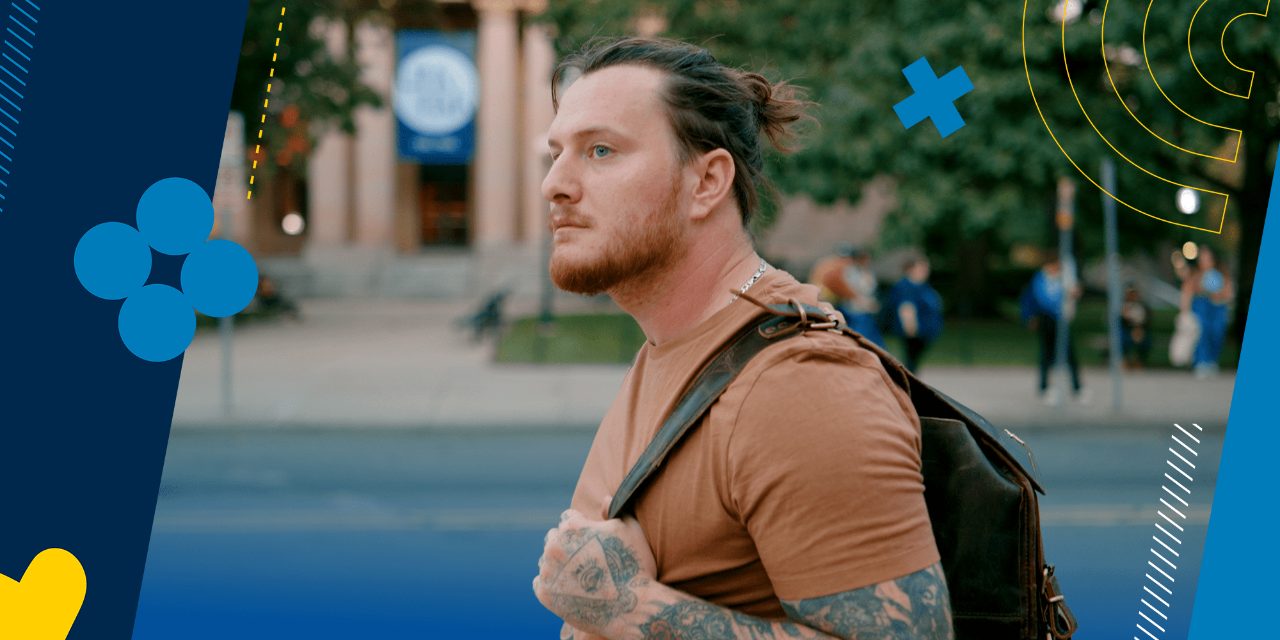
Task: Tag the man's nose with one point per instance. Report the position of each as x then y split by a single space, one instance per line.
561 184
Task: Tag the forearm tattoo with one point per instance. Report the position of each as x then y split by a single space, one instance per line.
697 620
597 582
915 606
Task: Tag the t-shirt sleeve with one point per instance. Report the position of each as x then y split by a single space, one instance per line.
823 467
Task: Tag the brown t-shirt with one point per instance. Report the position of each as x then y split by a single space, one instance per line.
802 480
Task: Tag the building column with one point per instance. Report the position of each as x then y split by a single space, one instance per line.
497 159
328 191
328 187
374 149
231 207
539 60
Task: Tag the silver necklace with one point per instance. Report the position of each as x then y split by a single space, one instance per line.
759 272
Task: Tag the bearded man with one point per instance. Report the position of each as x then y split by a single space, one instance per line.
796 507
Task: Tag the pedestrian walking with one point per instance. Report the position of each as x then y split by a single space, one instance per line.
1046 302
777 516
862 309
828 275
1135 337
1206 292
915 311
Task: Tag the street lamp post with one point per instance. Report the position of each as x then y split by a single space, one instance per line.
1065 219
227 201
226 325
1113 281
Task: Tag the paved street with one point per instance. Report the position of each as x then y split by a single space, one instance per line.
379 477
405 534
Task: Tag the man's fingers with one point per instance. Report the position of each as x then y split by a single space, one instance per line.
553 553
541 593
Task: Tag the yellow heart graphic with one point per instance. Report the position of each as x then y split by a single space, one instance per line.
45 603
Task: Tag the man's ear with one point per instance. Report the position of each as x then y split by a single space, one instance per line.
714 172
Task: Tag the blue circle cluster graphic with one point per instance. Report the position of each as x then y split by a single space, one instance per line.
113 262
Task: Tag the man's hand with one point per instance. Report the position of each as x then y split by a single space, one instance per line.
590 570
907 317
567 632
599 577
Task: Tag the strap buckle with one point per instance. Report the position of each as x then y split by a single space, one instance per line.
799 318
1060 622
771 331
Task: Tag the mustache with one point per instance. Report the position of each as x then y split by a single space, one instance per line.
564 217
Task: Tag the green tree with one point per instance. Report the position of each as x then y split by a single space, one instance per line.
318 89
970 196
313 90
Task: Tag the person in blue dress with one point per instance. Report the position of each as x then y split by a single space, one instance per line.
915 311
863 308
1207 290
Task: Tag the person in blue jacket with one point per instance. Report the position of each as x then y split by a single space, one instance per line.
915 311
1045 303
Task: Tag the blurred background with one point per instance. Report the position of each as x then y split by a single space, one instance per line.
376 447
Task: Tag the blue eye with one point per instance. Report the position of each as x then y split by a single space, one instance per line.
600 151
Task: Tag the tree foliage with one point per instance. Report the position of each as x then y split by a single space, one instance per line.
313 90
991 185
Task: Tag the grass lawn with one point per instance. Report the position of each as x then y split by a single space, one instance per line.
593 338
615 337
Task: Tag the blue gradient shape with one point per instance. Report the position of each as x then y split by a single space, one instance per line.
112 261
157 323
175 215
1233 600
103 414
934 97
219 278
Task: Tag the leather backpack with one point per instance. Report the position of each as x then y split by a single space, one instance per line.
982 503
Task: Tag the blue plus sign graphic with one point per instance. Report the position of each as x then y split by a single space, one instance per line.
934 97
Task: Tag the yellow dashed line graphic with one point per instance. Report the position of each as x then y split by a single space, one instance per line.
265 102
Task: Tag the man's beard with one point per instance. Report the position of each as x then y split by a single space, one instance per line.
631 253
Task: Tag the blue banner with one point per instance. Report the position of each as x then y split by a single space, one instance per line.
435 97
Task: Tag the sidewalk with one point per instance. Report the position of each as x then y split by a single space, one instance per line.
402 364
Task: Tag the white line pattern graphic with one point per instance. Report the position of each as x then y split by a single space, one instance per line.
15 72
1166 540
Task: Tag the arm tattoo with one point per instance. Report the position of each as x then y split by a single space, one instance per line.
597 582
697 620
915 606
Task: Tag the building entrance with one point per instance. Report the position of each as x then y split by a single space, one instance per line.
443 204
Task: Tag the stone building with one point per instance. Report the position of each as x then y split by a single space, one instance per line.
380 224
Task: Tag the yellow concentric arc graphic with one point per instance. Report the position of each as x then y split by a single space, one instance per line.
1222 45
1239 135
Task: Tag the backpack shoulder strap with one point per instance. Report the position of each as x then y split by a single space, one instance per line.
775 323
779 321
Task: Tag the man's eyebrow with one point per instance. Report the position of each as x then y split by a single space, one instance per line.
583 133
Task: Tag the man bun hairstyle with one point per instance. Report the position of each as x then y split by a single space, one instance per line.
710 106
